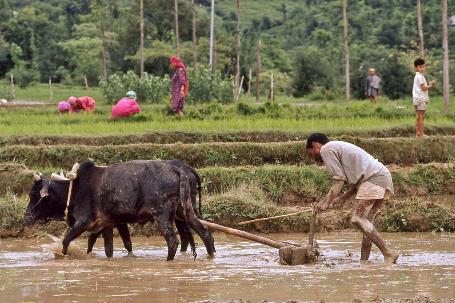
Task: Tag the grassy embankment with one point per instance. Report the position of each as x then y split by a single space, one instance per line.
423 199
400 151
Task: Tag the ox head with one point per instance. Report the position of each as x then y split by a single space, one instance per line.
47 199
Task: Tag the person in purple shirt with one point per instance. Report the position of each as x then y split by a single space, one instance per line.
179 85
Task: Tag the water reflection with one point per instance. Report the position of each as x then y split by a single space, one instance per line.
241 270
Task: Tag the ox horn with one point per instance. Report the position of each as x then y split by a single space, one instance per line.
55 177
36 177
72 175
61 173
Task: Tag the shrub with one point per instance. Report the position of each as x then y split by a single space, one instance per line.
149 89
204 88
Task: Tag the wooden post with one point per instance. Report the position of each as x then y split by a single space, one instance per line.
272 95
51 92
86 82
249 82
13 89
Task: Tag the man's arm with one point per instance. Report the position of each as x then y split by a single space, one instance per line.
345 196
334 191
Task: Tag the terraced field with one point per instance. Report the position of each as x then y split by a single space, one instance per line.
249 175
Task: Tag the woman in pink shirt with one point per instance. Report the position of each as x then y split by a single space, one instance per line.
127 106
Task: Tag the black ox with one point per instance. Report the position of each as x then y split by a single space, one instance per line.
135 191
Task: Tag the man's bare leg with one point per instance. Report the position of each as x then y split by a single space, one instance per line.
360 220
366 242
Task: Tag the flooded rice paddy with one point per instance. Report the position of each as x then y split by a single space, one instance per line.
241 270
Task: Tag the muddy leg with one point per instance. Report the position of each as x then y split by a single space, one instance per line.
108 237
360 221
92 240
126 237
185 234
72 233
166 227
204 234
366 242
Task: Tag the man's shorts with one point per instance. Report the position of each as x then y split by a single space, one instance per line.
370 191
421 106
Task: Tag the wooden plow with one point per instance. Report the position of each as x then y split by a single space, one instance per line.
290 254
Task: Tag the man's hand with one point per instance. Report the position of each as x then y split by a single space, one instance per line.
321 206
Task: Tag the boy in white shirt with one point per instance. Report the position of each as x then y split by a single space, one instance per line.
420 95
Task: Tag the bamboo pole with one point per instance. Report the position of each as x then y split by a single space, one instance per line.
276 217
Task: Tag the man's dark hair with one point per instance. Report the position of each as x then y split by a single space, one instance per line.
419 61
316 138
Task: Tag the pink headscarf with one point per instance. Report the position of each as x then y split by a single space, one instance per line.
178 63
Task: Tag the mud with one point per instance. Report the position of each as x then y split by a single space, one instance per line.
241 272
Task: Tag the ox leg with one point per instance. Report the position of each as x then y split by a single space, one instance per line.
186 237
78 228
126 237
166 227
92 240
108 237
204 234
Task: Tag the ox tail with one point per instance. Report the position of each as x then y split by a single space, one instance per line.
187 206
199 188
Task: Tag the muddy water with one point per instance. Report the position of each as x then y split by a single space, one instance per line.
241 270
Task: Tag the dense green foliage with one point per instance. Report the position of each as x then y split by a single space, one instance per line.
300 40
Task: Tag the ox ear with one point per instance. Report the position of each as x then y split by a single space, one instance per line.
44 192
37 177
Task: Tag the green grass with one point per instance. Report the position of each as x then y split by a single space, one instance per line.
41 92
317 116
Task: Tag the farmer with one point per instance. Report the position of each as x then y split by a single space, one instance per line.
127 106
63 107
81 104
179 85
368 177
372 85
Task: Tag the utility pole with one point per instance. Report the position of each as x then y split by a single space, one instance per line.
346 50
193 9
141 50
177 42
445 65
212 38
